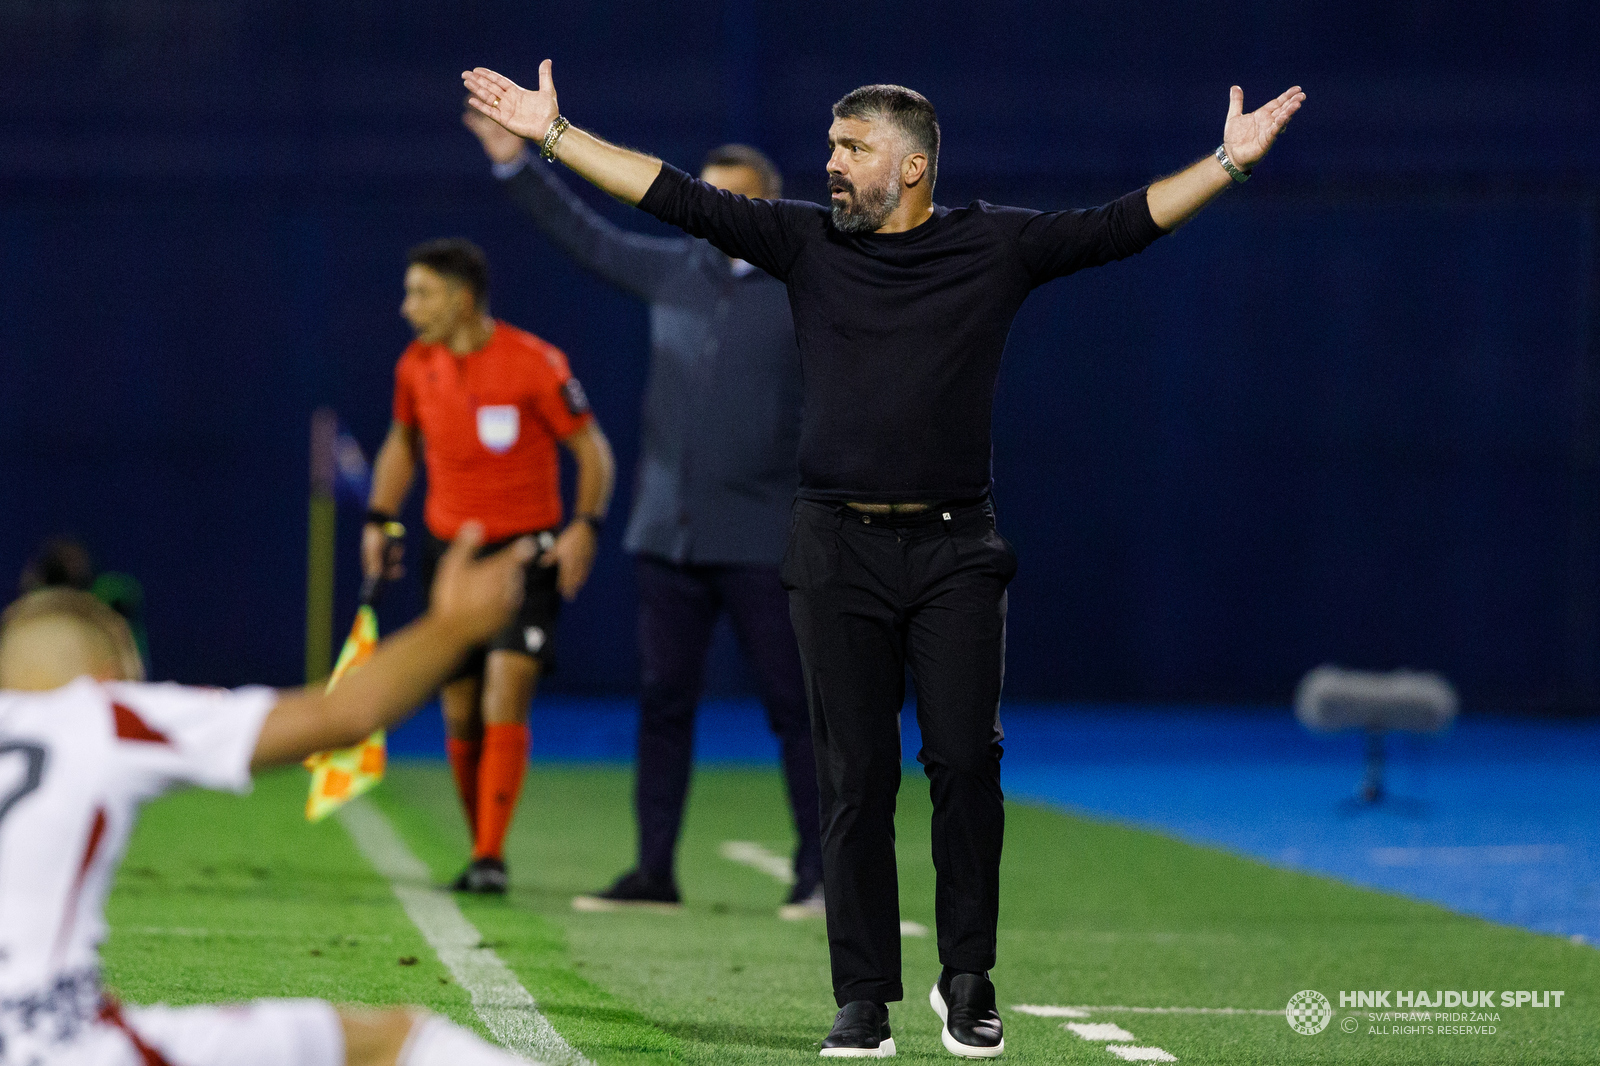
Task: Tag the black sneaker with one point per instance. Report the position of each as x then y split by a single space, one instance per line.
860 1031
485 877
633 889
965 1003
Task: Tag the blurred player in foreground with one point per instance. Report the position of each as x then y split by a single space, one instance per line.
486 404
83 743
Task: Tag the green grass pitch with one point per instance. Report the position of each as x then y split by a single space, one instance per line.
225 898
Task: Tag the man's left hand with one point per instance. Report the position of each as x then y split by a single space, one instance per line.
1247 137
573 553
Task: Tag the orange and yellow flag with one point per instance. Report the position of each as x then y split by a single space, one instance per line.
340 776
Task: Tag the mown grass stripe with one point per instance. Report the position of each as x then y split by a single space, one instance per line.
506 1008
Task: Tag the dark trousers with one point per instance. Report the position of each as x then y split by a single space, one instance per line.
678 609
870 596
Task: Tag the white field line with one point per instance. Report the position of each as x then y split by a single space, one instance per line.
1491 855
780 868
1130 1053
1085 1011
1108 1031
1050 1012
749 853
1102 1031
499 999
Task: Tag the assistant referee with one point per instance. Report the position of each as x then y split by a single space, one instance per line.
901 310
486 404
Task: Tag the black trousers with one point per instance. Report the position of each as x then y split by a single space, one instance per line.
678 608
871 595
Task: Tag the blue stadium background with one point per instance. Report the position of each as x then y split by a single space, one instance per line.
1351 413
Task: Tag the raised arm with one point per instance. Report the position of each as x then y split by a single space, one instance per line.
636 262
1246 138
767 233
625 174
470 602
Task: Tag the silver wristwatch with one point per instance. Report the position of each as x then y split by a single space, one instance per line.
1240 176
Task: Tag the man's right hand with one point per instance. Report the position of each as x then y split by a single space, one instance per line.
525 112
375 545
477 597
529 113
499 143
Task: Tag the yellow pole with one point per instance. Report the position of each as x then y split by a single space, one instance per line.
320 548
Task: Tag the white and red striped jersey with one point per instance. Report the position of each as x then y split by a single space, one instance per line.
75 765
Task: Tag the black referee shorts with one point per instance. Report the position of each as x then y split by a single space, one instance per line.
533 631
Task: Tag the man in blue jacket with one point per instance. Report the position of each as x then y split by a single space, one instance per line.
717 478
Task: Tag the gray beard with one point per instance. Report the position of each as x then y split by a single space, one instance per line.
872 208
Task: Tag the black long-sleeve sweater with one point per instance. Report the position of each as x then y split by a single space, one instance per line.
901 334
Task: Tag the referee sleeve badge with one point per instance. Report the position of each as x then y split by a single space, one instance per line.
572 393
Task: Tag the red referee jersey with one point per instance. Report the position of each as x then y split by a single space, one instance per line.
490 421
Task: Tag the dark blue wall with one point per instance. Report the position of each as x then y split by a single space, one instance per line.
1350 413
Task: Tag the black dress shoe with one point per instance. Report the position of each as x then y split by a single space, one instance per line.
636 886
485 877
860 1031
634 890
965 1003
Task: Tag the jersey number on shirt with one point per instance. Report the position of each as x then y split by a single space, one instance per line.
32 768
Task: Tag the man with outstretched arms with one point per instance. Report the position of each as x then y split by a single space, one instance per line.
84 743
716 483
901 310
486 404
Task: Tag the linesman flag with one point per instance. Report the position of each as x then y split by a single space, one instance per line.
337 777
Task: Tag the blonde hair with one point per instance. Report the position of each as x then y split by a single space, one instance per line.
108 640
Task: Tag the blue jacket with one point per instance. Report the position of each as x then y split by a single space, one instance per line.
721 420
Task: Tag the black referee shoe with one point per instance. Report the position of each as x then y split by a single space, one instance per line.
636 886
633 890
965 1003
484 877
860 1031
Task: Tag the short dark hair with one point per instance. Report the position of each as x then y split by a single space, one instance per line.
906 108
61 563
459 260
742 155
